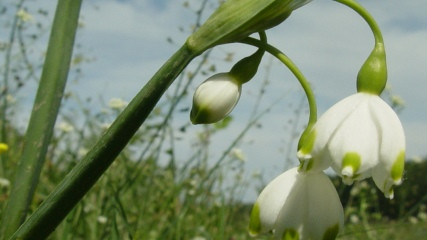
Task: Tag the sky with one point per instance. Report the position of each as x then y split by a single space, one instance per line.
127 42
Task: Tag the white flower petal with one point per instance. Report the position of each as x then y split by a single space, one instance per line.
312 208
270 202
324 129
392 135
355 143
325 206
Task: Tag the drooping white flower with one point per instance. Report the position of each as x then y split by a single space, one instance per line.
215 98
298 206
360 136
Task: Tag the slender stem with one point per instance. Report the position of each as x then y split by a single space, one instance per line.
294 69
366 16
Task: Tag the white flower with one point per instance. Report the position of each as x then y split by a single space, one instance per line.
215 98
238 154
65 127
298 206
360 136
102 219
24 16
4 182
117 103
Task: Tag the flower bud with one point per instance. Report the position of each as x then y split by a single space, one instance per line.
215 98
237 19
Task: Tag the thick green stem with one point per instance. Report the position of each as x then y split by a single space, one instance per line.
43 117
84 175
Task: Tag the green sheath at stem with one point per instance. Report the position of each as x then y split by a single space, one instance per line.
43 116
84 175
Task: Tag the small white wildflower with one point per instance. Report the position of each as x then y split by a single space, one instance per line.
117 103
82 152
4 183
413 220
422 216
65 127
397 101
198 238
354 219
417 159
88 208
24 16
238 154
105 126
102 219
10 99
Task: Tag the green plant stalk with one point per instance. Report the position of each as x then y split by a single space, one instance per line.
84 175
294 69
366 16
43 116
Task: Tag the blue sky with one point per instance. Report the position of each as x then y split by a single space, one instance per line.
326 40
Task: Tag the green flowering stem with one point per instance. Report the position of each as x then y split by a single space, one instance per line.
294 69
43 116
366 16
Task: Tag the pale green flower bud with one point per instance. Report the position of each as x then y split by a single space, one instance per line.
215 98
298 206
237 19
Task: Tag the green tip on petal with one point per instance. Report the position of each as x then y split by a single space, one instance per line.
290 234
200 116
306 142
255 221
350 164
331 233
398 167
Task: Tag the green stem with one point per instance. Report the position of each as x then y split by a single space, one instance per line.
43 116
84 175
294 69
366 16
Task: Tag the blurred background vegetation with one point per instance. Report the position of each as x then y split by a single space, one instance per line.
150 192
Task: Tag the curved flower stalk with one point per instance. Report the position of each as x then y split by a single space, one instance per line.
360 136
298 206
215 98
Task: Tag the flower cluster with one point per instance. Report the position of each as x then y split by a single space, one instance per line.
359 137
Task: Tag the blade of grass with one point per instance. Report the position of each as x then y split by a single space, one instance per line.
43 116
